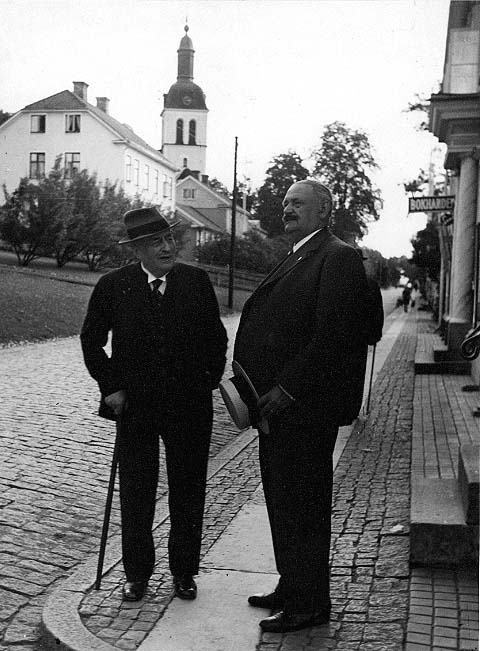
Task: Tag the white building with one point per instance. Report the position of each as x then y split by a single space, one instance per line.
207 213
66 127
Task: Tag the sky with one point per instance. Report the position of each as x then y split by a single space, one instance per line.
275 73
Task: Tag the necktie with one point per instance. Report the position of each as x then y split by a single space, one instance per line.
157 294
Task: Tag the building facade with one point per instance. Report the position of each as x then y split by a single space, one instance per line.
455 120
66 129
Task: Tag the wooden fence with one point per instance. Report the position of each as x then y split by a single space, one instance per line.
244 280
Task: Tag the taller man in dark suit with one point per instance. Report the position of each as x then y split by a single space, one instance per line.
302 342
168 353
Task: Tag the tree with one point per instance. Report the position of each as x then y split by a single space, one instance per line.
30 220
284 170
418 184
426 252
246 196
219 187
252 251
343 162
420 106
80 216
4 116
393 272
102 247
376 267
67 218
405 267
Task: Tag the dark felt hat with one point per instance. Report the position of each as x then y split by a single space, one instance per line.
144 222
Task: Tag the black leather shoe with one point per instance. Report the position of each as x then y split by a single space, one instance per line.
270 601
185 587
283 622
134 590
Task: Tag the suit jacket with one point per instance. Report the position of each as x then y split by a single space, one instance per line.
174 355
304 328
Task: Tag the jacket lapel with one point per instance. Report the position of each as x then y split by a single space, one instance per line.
289 263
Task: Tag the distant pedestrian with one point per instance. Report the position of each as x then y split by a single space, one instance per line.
406 294
302 341
413 295
168 353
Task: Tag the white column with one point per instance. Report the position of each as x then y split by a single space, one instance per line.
463 252
476 363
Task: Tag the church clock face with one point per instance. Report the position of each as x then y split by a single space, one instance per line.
187 100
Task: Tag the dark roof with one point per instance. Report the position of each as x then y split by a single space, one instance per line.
68 101
174 97
63 101
186 43
206 216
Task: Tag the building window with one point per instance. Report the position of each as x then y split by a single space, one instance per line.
136 172
147 177
167 187
72 164
189 193
179 138
156 181
192 131
185 162
37 124
202 236
37 165
72 123
128 168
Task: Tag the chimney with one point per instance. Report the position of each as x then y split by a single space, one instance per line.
80 89
205 179
102 104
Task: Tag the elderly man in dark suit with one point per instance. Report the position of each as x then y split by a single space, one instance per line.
302 342
168 354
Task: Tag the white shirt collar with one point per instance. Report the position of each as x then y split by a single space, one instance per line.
151 277
304 240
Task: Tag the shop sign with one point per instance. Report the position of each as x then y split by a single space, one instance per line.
431 204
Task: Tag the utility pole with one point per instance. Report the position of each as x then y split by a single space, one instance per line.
233 231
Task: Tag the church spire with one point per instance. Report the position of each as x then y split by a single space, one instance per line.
185 58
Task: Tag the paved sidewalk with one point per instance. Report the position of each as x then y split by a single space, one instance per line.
443 604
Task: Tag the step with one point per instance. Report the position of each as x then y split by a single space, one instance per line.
439 535
433 357
430 367
441 353
468 480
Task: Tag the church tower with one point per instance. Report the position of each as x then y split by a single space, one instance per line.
184 115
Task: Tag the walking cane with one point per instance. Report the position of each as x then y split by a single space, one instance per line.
371 378
108 505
